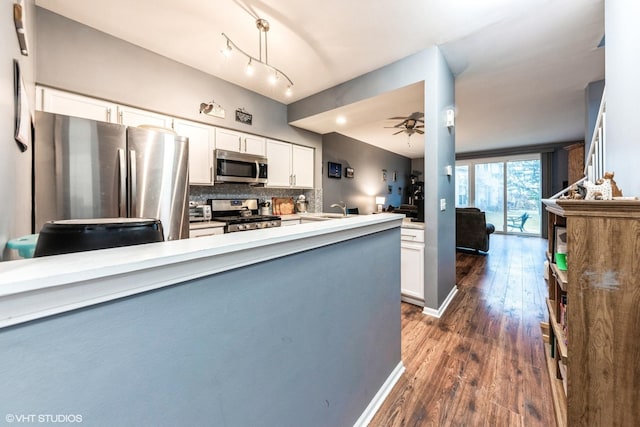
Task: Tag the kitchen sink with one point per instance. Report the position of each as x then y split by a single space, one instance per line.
324 216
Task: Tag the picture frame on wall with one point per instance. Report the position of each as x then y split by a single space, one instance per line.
348 172
334 170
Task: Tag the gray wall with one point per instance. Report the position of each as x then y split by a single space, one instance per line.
623 91
368 162
429 66
15 166
77 58
440 226
287 342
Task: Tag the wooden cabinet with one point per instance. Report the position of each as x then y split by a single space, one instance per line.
290 165
575 159
201 143
69 104
594 313
412 265
240 142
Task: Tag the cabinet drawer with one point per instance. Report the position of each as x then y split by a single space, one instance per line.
203 232
411 235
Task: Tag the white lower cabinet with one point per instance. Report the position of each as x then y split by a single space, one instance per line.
204 232
201 143
412 266
288 222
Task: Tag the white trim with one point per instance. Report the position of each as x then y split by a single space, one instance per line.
381 395
440 311
412 300
39 287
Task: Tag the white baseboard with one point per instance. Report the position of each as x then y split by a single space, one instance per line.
412 300
380 396
440 311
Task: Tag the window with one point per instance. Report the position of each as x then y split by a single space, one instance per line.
507 189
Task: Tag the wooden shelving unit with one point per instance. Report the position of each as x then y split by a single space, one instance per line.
592 347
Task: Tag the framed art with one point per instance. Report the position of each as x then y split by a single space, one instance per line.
335 170
348 172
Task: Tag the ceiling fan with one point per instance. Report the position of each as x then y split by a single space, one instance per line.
411 124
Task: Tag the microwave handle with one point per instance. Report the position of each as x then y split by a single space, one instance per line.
257 171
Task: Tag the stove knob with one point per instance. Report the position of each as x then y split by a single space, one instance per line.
259 225
241 227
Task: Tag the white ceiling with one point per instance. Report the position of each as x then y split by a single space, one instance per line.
521 66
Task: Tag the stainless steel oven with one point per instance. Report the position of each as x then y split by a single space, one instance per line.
241 215
239 167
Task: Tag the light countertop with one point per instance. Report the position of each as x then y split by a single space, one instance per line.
38 287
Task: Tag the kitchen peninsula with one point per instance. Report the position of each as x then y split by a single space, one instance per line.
282 326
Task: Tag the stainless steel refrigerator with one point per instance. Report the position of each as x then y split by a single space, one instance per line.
89 169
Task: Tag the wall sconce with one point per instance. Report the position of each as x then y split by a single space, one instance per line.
379 202
212 109
451 114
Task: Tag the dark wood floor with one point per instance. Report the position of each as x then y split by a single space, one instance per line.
482 363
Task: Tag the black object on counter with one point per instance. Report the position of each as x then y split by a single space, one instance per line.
77 235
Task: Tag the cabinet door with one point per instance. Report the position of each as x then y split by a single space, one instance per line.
201 139
227 140
59 102
279 158
254 145
412 269
134 117
302 166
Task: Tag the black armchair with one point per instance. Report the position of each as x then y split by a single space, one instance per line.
472 229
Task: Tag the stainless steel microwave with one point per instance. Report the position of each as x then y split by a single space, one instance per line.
239 167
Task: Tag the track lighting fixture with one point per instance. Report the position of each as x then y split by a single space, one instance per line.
274 73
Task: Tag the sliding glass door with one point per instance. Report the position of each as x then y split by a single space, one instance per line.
489 192
508 190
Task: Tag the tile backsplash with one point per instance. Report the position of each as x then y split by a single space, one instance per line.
200 193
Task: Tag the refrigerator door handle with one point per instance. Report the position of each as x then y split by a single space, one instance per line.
122 191
134 184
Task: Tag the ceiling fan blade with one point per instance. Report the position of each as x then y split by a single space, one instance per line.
419 127
419 131
415 116
396 118
400 131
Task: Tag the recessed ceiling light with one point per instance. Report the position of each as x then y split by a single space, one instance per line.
341 120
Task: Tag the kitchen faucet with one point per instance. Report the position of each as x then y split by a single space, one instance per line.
342 206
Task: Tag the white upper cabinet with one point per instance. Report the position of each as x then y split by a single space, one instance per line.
69 104
254 145
201 143
302 166
290 165
279 158
129 116
239 142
